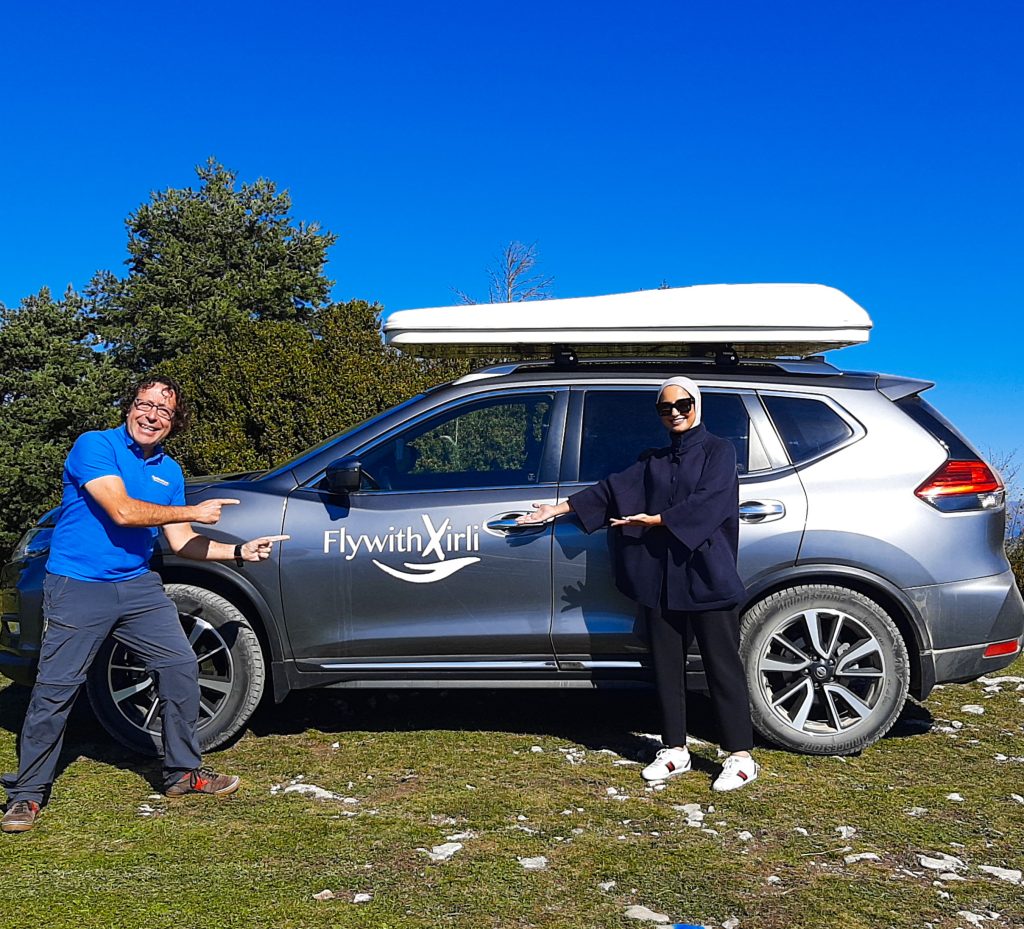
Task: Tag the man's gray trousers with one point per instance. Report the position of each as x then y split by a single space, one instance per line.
79 615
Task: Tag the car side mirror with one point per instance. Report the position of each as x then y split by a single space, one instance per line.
344 475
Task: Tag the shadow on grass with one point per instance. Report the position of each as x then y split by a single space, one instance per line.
85 737
614 719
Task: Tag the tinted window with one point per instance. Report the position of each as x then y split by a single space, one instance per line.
498 442
620 424
808 427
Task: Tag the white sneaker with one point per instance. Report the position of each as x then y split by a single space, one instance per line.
669 762
737 771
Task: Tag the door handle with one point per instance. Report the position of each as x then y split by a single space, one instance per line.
506 522
762 511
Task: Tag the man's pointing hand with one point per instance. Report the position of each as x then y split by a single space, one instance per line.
208 512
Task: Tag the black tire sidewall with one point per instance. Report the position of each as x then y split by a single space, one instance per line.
247 682
764 618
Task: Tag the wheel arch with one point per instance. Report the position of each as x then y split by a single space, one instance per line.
238 591
886 594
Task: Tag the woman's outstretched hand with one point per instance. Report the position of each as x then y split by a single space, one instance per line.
542 512
637 519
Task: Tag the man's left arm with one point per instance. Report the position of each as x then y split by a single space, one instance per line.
188 543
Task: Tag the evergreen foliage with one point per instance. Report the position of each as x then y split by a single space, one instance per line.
53 387
203 260
265 391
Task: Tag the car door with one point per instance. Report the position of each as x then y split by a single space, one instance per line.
593 625
423 567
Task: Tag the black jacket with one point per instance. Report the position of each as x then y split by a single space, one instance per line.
694 487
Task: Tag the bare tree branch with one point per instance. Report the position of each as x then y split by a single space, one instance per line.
511 278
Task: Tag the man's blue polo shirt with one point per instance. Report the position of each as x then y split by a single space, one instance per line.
87 545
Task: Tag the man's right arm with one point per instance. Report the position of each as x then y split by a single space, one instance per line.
110 493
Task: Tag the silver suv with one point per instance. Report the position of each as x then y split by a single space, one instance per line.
871 546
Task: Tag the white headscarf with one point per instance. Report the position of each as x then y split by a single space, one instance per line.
690 387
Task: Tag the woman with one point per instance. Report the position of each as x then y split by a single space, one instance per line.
677 557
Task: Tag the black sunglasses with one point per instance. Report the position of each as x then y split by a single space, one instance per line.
684 405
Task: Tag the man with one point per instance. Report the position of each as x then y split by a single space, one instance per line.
120 488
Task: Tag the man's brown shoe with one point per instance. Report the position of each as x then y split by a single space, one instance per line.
20 816
204 781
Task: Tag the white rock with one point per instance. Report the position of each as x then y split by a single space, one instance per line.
539 863
941 862
916 811
775 879
744 836
611 791
362 898
1000 680
862 856
324 895
957 724
1017 798
460 836
536 749
950 876
731 923
973 709
443 852
710 831
955 797
646 915
799 830
846 832
1011 875
625 761
975 919
311 790
606 885
686 808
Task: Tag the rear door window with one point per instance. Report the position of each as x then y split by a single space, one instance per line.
809 427
620 424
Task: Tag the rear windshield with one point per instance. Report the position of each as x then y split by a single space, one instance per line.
940 428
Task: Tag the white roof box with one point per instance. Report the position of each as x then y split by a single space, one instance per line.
754 320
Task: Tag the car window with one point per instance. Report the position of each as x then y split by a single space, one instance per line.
620 424
497 442
809 427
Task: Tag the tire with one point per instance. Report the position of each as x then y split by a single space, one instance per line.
231 676
828 670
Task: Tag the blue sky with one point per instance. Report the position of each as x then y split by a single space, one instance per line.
873 146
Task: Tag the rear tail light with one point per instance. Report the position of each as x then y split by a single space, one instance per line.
1002 648
962 485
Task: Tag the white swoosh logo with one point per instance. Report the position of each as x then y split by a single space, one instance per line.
427 573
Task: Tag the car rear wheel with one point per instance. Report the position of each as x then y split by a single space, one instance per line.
231 676
827 668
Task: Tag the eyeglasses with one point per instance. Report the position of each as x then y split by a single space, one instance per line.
147 406
684 405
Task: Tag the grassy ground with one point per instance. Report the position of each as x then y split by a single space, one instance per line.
514 775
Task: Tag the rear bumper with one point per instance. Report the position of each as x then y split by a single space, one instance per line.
962 619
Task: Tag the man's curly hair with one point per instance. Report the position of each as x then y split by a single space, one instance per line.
181 409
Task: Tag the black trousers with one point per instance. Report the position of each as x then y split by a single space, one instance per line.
718 636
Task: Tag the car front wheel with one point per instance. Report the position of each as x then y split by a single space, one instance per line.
231 676
827 668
